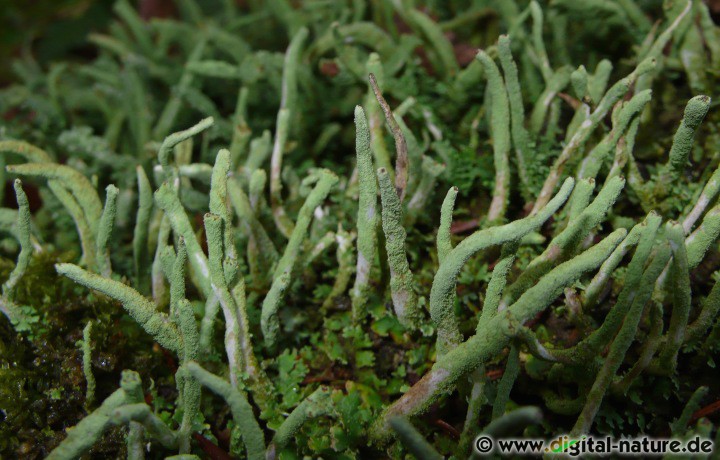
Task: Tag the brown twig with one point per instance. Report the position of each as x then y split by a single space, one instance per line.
401 161
705 411
495 374
447 428
571 101
156 9
464 226
211 450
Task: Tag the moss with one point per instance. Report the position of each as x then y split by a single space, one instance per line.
583 306
43 385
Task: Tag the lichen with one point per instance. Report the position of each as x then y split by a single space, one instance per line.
525 210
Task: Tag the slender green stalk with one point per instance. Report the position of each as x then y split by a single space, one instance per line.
323 243
260 150
175 138
579 82
635 14
287 108
207 324
567 241
29 152
401 148
580 198
242 410
166 119
594 289
442 295
214 232
87 239
476 401
159 290
346 260
591 345
649 348
520 136
512 370
413 440
538 43
241 131
622 342
375 115
282 220
481 347
143 414
500 129
87 365
261 251
513 422
177 277
188 384
26 249
682 297
614 94
367 219
256 188
705 318
107 221
655 50
443 56
708 194
318 404
136 25
79 185
498 280
256 377
219 200
141 253
679 426
215 69
135 441
143 311
547 102
402 284
431 169
283 272
700 240
444 242
167 199
695 112
592 163
597 83
86 433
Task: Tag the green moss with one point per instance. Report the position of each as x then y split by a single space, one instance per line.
325 290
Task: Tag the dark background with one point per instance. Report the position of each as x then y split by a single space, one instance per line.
56 29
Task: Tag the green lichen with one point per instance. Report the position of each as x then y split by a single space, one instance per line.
575 253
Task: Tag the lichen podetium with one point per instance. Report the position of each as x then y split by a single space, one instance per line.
379 230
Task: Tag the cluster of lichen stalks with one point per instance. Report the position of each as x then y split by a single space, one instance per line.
662 255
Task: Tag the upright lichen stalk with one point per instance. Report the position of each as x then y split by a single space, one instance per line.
543 266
